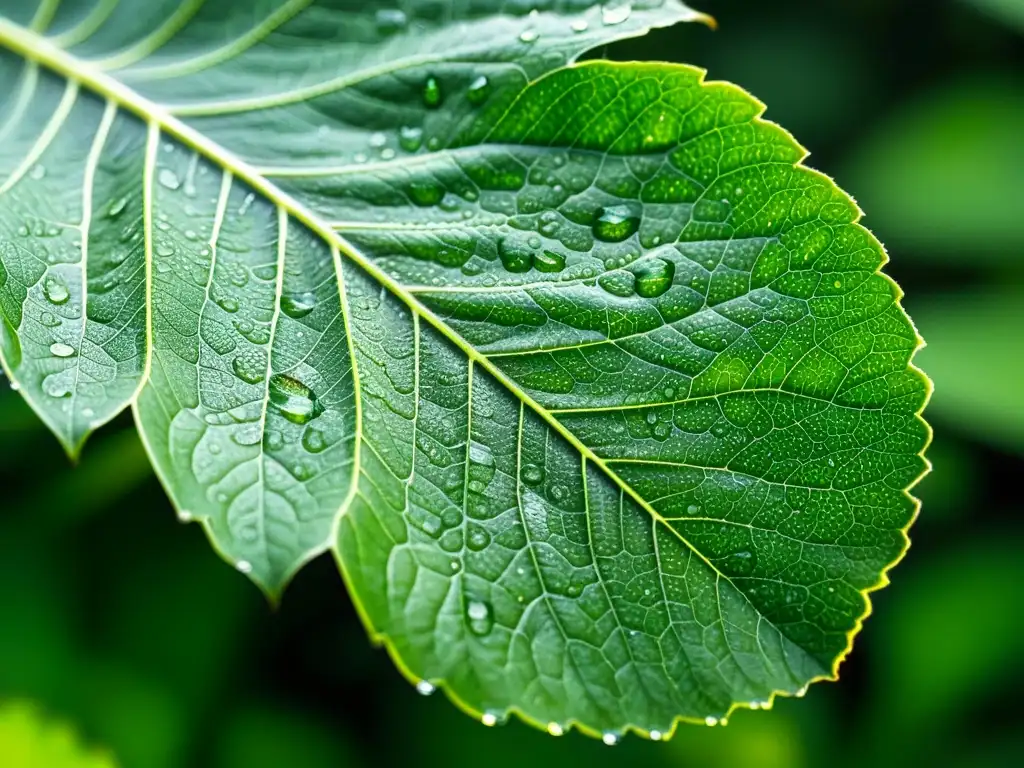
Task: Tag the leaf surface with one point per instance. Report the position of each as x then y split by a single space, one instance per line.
595 392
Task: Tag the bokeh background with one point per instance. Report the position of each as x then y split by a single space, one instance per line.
120 621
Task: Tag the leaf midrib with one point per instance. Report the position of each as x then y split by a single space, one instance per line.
36 48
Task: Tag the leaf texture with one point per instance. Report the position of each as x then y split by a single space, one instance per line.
595 392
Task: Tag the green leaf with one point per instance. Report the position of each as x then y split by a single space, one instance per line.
595 392
27 740
1010 12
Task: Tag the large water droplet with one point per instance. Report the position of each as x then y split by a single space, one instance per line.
655 277
426 193
61 350
168 179
55 290
479 90
617 222
616 12
298 305
533 475
478 539
548 261
480 617
293 399
432 92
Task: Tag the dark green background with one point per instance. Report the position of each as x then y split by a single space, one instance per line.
115 617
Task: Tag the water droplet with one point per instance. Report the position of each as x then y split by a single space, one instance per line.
55 290
654 278
655 735
244 566
164 249
293 399
618 283
432 93
693 509
117 207
533 475
246 204
37 172
299 305
479 90
56 387
514 257
423 688
480 617
61 350
559 492
610 739
489 719
228 304
168 179
711 720
250 368
802 692
617 222
426 193
616 12
49 319
580 25
555 729
391 20
378 140
314 441
184 516
410 138
478 540
548 261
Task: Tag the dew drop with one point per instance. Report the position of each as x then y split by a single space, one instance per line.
410 138
246 204
61 350
529 35
489 719
423 688
533 475
480 617
37 172
391 20
432 92
693 509
478 540
168 179
616 12
314 441
299 305
378 140
479 90
654 278
49 319
184 516
617 223
655 735
514 257
55 290
548 261
426 193
711 720
580 25
165 250
610 739
228 304
555 729
618 283
117 208
296 402
244 566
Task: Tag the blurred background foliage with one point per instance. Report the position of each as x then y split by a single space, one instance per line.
118 619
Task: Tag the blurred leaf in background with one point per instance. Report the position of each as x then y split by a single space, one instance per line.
1009 11
29 740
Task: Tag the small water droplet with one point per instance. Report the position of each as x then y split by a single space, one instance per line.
55 290
610 739
617 222
616 12
802 692
514 257
49 319
246 204
618 283
655 735
426 193
378 140
478 540
299 305
391 20
410 138
533 475
293 399
184 516
168 179
423 688
489 719
711 720
479 90
693 509
228 304
37 172
314 441
61 350
480 617
548 261
432 92
117 207
555 729
244 566
580 25
654 278
164 249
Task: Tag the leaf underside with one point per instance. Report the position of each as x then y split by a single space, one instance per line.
596 393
